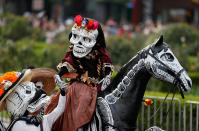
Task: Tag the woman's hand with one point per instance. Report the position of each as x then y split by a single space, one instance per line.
60 83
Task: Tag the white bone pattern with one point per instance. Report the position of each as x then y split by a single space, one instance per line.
101 100
117 93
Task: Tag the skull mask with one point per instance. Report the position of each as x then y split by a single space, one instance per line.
26 97
83 40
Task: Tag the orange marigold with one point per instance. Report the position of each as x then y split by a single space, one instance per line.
9 76
1 79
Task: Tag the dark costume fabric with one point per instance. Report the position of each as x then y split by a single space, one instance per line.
82 93
94 63
79 109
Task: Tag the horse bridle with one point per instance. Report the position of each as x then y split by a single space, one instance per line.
177 82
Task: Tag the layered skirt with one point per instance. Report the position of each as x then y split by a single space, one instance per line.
79 109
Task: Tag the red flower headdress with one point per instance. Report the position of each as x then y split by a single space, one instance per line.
89 24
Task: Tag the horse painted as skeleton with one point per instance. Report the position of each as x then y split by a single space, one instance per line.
119 104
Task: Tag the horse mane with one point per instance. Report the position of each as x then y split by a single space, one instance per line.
120 75
124 70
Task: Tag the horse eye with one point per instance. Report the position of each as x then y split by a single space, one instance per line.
167 57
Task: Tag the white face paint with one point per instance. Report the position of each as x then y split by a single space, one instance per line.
18 101
159 70
83 41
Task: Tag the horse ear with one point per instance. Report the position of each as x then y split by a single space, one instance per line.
160 41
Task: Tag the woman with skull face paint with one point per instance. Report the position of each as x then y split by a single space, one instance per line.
89 67
21 97
43 122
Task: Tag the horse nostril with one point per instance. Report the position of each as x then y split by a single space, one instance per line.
189 83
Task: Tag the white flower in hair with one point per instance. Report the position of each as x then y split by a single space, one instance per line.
6 84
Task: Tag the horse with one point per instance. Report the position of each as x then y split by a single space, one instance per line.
119 104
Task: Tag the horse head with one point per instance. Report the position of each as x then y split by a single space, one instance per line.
162 64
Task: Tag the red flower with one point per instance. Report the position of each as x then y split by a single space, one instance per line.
148 102
78 20
89 25
95 25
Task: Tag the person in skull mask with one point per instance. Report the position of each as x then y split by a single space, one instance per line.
87 57
89 67
21 97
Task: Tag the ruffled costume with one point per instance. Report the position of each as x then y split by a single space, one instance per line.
81 95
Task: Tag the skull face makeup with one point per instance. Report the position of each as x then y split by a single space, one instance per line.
21 98
83 40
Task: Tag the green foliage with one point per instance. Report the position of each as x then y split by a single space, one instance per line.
17 28
194 76
62 38
25 52
119 48
36 34
123 49
195 88
193 63
174 32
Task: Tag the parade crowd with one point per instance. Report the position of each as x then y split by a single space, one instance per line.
53 26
